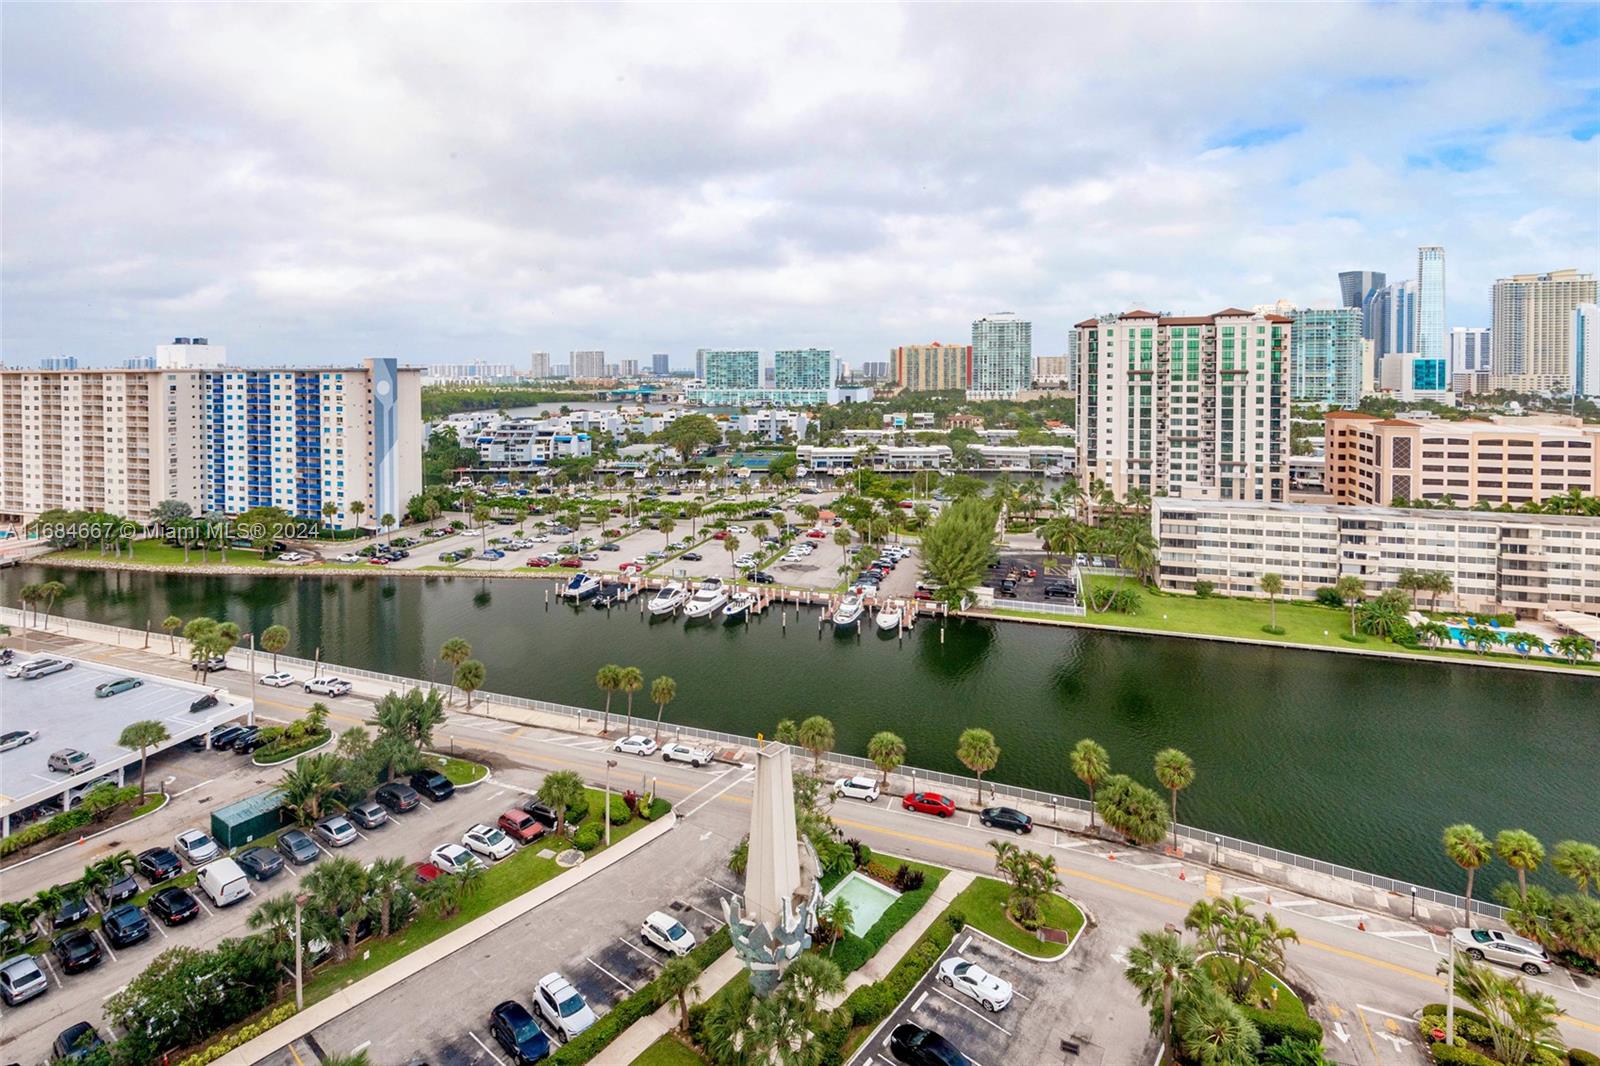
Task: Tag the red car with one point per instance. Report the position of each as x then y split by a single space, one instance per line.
631 568
907 504
538 561
427 871
923 594
520 825
929 803
572 561
378 560
817 533
721 534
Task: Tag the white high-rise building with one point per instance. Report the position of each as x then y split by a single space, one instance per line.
1586 350
1430 302
588 366
1531 334
539 365
1469 349
190 352
1002 356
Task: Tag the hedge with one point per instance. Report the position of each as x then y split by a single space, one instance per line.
852 952
619 812
281 751
642 1003
1276 1026
1459 1055
658 809
239 1037
587 838
1579 1057
870 1004
64 822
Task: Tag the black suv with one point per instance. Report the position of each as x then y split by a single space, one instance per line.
1060 588
398 797
433 784
72 911
122 889
204 703
248 741
76 950
1006 818
159 864
544 815
174 905
125 925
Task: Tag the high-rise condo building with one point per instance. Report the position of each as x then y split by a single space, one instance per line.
660 364
1194 406
932 367
1392 314
628 368
222 439
1586 350
539 365
1325 366
1356 288
1430 302
875 370
803 368
1002 356
1531 331
729 369
1052 369
59 362
588 366
1469 349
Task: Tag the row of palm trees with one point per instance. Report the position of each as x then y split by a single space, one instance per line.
1569 922
41 592
20 915
612 679
468 674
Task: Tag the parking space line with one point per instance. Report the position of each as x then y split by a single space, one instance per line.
716 795
113 992
639 950
203 906
52 967
719 884
485 1047
697 910
978 1014
609 974
105 944
918 1004
425 805
165 935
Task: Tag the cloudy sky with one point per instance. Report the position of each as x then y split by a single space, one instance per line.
447 183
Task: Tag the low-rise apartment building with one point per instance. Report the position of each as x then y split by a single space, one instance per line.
887 457
519 443
1373 460
1022 456
1524 563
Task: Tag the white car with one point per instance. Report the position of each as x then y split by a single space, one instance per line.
281 679
638 744
685 753
861 788
17 737
196 847
454 859
328 686
292 557
488 840
1508 948
562 1006
738 530
348 557
992 992
667 933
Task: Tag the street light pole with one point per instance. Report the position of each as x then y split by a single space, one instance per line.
606 814
250 717
299 997
1450 998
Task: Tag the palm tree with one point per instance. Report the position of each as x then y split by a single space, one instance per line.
631 681
1521 851
1215 1032
662 691
357 508
338 890
1573 647
1468 849
144 736
1175 771
480 518
1092 765
1578 862
887 751
170 625
455 651
1434 633
608 679
273 640
1272 585
838 915
273 922
312 779
1161 968
559 790
49 592
1351 590
470 677
979 753
29 596
387 524
1518 1020
816 735
387 879
680 979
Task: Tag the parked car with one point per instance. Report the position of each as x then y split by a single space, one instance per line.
223 736
368 814
328 686
520 825
247 741
174 906
204 703
761 577
124 925
260 864
433 784
518 1033
916 1046
488 840
21 980
37 668
16 738
335 831
1060 588
691 557
858 787
1506 948
541 813
281 679
667 933
1006 818
929 803
159 864
122 889
988 991
73 910
76 950
196 846
454 859
75 1043
562 1006
112 688
70 761
638 744
684 753
397 796
298 847
214 665
347 557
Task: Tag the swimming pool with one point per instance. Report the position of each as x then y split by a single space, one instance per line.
867 898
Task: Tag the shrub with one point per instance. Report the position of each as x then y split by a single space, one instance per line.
1580 1057
1203 589
1506 618
658 809
239 1037
587 838
863 853
907 879
1404 634
577 812
1276 1026
1446 1055
1328 596
1274 631
620 813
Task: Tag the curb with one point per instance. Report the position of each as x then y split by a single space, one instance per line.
166 798
286 760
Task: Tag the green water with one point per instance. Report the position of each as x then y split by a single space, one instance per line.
1357 760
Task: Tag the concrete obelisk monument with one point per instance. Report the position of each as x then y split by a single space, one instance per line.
771 920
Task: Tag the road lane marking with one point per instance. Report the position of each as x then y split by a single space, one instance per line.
733 784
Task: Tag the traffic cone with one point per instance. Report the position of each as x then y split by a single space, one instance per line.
82 839
1362 925
1182 874
1112 857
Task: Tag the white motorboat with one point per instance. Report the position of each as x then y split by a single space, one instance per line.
738 607
581 586
889 618
668 599
707 599
849 611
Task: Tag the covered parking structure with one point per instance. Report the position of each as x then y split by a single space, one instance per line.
64 711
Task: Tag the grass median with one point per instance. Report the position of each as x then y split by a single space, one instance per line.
983 905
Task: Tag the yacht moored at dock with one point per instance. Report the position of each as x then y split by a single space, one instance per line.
581 586
890 617
707 599
849 611
739 607
668 599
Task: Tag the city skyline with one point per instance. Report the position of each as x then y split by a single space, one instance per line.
347 219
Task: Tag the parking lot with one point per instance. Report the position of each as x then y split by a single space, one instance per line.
1032 588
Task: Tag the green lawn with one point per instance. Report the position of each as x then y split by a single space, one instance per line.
459 771
983 903
157 553
669 1051
1262 989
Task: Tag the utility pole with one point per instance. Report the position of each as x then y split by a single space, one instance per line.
250 718
299 995
606 814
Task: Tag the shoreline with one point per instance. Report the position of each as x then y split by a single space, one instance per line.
1591 671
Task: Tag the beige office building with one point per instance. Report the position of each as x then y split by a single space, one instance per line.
1191 407
1522 563
932 367
1531 336
588 366
1507 460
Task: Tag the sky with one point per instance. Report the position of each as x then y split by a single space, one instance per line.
445 183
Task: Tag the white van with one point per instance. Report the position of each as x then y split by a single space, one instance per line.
224 882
